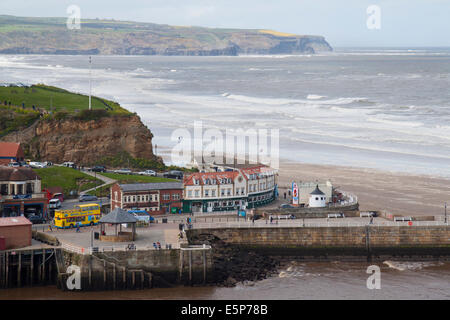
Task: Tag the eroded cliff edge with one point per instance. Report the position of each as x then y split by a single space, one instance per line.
85 142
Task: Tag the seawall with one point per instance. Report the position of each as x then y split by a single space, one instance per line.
344 243
141 269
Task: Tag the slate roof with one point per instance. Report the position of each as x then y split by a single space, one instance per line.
17 174
118 216
317 191
150 186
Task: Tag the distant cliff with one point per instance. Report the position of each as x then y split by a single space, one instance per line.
109 37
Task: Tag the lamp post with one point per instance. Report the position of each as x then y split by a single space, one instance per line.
445 208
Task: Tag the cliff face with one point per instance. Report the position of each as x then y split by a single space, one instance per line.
84 142
51 36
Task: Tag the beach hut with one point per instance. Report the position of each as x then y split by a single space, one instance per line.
117 217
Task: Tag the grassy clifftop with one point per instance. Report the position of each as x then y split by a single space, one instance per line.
22 35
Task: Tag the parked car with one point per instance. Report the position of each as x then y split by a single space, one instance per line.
174 174
35 219
98 169
37 165
58 196
48 163
286 206
87 197
147 173
54 204
14 164
123 171
69 164
24 164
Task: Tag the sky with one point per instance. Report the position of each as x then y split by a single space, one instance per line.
344 23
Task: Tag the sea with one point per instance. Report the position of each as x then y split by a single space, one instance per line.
379 108
386 109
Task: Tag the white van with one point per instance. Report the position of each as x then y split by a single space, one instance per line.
54 204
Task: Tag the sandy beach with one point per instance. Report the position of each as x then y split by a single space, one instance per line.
398 193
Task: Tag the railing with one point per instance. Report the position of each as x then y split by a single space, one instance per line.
90 250
299 224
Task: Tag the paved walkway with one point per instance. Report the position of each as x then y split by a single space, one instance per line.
106 181
166 233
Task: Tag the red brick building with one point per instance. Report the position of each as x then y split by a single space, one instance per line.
155 198
20 192
16 231
10 152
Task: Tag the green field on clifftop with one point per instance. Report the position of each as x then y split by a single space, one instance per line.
53 99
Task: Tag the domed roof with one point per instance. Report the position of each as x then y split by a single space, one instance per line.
317 191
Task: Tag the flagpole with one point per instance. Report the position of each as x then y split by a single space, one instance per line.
90 82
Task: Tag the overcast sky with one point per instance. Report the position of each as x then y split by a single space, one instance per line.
403 23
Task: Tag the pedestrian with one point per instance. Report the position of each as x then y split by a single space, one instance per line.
78 227
371 220
271 219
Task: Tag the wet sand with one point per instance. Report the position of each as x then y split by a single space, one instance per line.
397 193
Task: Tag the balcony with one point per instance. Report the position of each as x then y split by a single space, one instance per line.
19 197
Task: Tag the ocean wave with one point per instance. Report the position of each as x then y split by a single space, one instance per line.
408 265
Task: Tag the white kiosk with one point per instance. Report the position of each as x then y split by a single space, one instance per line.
317 199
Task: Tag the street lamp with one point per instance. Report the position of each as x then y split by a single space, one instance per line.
445 208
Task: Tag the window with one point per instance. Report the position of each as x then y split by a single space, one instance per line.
213 193
190 194
4 189
206 193
175 196
166 197
197 193
139 198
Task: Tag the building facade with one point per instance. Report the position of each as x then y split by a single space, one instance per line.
155 198
10 152
229 190
20 190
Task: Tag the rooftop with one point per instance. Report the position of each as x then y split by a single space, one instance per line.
14 221
17 174
150 186
118 216
9 149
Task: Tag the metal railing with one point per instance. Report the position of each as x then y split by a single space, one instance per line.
90 250
299 224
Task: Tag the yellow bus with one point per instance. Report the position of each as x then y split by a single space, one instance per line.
82 215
